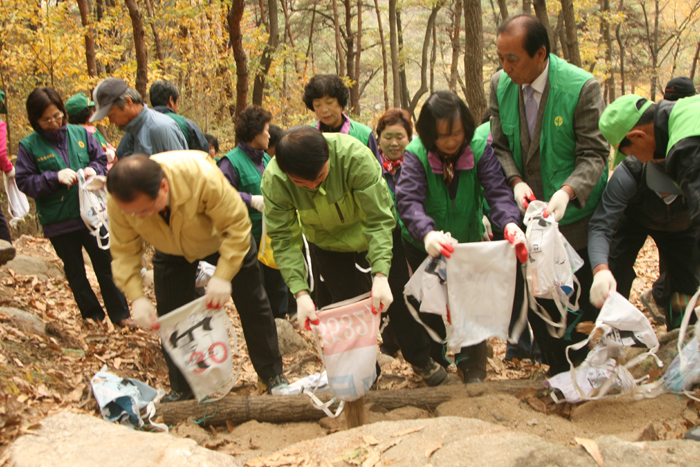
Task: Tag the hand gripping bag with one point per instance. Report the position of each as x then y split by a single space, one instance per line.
18 203
197 340
93 207
346 337
549 272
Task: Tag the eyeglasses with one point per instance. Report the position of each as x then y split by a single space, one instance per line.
57 117
146 212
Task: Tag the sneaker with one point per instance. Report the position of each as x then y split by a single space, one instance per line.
432 373
649 303
174 396
278 386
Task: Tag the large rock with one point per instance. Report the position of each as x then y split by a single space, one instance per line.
72 440
30 266
450 441
289 340
7 251
26 322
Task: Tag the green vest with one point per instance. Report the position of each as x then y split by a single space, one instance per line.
683 121
100 139
249 179
558 140
359 131
462 217
180 120
63 204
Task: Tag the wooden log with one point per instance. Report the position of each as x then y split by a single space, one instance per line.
297 408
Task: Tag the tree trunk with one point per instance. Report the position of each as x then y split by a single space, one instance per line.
695 61
655 52
405 95
355 89
385 65
433 58
527 7
140 47
621 45
456 48
503 7
349 48
156 36
338 41
560 38
266 59
235 14
605 26
310 46
567 9
543 16
393 44
474 58
424 60
296 408
89 40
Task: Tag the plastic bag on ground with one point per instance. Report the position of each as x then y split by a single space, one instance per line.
347 339
684 370
18 203
197 340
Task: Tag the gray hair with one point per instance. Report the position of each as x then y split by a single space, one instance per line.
131 93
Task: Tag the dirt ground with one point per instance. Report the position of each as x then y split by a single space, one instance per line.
42 375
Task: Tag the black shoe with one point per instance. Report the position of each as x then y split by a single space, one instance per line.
432 373
278 385
649 303
174 396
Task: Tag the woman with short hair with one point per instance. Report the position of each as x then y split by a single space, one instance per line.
47 164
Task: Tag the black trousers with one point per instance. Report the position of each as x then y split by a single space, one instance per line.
174 279
554 349
276 289
4 228
415 257
677 252
69 247
341 278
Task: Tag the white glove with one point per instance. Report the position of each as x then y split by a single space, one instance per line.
89 172
557 205
437 243
488 235
11 173
515 235
67 176
381 294
110 155
218 292
144 314
603 284
523 195
257 202
306 311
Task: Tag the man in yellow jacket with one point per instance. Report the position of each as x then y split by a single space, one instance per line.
181 204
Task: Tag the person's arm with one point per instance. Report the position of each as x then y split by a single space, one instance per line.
230 173
98 158
126 247
230 217
199 142
30 180
373 197
683 165
620 189
167 137
283 227
592 151
500 144
5 164
126 146
410 197
496 191
373 145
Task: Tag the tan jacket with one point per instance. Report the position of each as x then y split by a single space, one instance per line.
207 215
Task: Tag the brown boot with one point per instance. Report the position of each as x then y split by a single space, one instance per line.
471 363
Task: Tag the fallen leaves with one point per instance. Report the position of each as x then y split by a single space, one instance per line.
591 448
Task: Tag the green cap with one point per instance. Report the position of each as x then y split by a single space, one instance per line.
619 118
77 104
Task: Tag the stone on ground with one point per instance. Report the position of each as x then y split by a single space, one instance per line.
31 266
7 251
289 340
26 322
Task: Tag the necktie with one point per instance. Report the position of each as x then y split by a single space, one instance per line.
530 109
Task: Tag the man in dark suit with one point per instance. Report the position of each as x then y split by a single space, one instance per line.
545 134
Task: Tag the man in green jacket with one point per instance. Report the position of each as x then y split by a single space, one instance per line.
545 134
330 188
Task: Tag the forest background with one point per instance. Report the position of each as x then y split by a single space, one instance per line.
226 54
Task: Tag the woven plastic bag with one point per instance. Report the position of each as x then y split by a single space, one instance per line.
197 340
93 207
347 339
18 203
265 251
